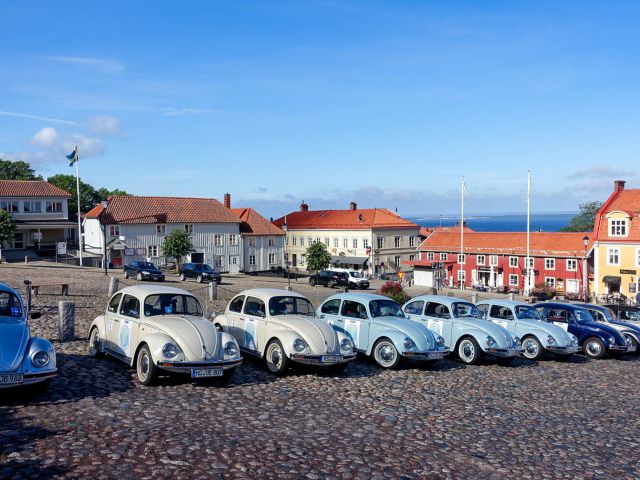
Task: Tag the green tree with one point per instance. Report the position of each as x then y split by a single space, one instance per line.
584 221
105 193
88 195
7 228
17 170
177 245
317 257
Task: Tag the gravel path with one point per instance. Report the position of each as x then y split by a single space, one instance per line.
547 419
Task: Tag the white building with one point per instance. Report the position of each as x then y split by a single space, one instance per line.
135 228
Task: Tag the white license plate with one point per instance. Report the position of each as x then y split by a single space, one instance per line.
513 352
632 348
11 378
206 372
331 358
435 355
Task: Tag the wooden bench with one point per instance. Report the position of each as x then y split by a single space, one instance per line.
65 287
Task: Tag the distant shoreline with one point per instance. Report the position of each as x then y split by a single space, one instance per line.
546 222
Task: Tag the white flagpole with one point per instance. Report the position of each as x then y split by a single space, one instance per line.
78 192
527 289
461 230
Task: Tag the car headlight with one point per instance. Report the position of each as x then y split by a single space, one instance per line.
230 349
574 340
346 344
170 350
40 359
627 341
517 342
440 341
551 340
612 340
490 341
299 345
408 344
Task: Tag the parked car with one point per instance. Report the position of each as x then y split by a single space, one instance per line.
355 279
201 272
605 315
378 328
625 313
162 329
24 360
463 329
329 279
143 271
523 321
280 327
596 339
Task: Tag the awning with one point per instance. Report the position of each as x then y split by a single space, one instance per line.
611 279
348 260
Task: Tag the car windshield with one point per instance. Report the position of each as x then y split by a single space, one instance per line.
200 267
355 274
290 306
172 304
10 308
526 312
385 308
583 315
465 309
147 265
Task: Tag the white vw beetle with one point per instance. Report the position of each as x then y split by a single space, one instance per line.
162 328
281 327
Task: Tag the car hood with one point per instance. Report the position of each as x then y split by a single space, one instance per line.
14 337
602 328
190 333
501 335
318 334
558 333
416 331
624 326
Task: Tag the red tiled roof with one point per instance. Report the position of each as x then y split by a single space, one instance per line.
135 210
30 188
255 224
627 201
558 244
359 219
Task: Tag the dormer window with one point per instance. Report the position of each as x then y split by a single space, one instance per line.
617 227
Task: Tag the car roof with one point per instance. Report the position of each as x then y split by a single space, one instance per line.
144 290
6 288
439 298
363 297
570 306
266 293
504 303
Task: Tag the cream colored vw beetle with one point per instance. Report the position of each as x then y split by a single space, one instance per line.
157 328
281 327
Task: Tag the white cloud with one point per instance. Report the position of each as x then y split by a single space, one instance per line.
87 146
112 67
36 117
104 125
46 137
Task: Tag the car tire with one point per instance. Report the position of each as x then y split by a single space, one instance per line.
533 349
469 351
161 279
276 358
199 279
94 350
634 342
182 277
312 282
146 371
594 348
352 286
331 283
385 354
139 277
126 274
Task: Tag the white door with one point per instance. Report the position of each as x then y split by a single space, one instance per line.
234 264
572 285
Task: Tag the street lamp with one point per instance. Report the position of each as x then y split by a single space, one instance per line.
585 241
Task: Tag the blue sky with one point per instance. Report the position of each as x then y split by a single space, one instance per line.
386 103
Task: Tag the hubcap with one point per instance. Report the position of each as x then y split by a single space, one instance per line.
385 354
531 348
467 350
594 348
276 356
94 342
144 365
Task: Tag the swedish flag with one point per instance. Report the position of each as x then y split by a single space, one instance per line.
73 156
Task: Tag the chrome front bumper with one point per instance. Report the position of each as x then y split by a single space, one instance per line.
504 352
186 367
564 350
432 355
30 379
618 348
321 359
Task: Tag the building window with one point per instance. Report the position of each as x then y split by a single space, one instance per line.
398 260
572 265
613 256
218 260
32 207
355 243
513 280
396 242
252 241
336 242
365 243
380 242
617 228
326 241
217 240
462 276
114 230
188 228
412 241
233 239
513 262
551 281
638 257
272 241
161 229
252 259
480 259
317 240
549 263
412 258
531 259
9 206
303 259
493 260
309 241
430 255
152 251
462 258
302 241
50 206
272 258
443 257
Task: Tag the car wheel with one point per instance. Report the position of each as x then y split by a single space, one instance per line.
126 274
385 354
331 283
145 368
594 348
532 348
139 277
161 279
469 351
277 361
94 344
199 279
312 282
182 277
634 342
352 286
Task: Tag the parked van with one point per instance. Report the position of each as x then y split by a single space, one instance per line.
356 280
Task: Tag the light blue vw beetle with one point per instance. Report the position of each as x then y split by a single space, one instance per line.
24 360
377 327
462 326
524 321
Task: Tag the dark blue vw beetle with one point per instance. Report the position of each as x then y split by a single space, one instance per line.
602 314
596 339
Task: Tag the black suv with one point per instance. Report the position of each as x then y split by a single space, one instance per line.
201 272
329 279
143 271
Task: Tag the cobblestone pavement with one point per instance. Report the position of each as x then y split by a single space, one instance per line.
550 419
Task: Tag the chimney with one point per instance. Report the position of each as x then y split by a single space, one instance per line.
304 207
227 200
353 206
618 185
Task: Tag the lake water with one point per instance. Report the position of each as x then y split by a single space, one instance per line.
547 222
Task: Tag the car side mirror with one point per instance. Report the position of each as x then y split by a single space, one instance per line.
364 315
35 315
